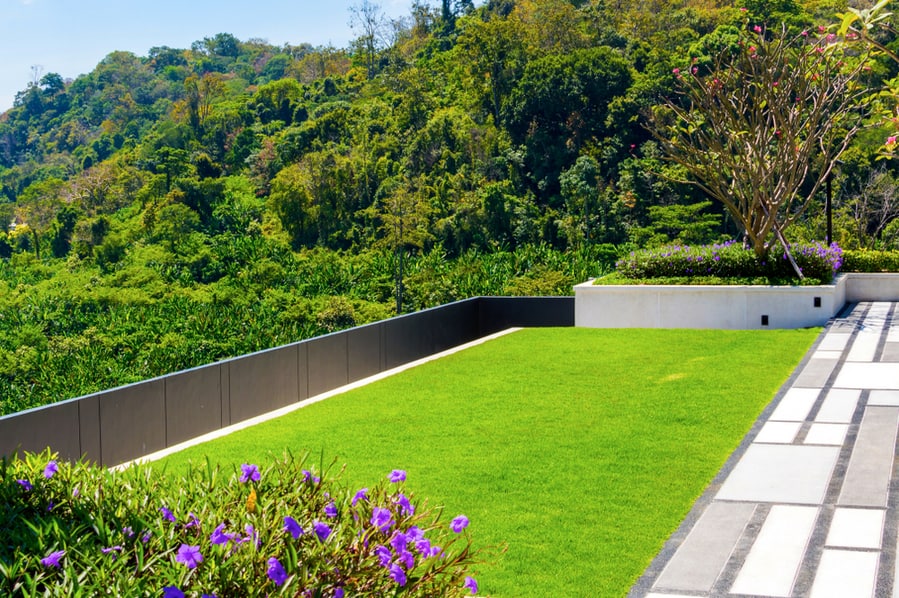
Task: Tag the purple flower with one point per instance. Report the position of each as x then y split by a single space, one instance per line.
396 476
25 484
128 532
172 592
338 592
292 527
407 558
146 537
189 556
52 559
470 584
361 495
276 571
76 492
321 530
111 549
415 533
51 469
405 506
192 521
166 514
459 523
249 472
398 575
308 476
423 546
331 510
381 518
399 541
384 555
218 535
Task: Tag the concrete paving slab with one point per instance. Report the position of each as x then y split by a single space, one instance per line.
834 341
827 434
884 398
795 404
864 348
795 474
771 567
893 334
778 432
698 562
838 406
867 479
815 373
819 354
856 528
890 352
846 574
880 376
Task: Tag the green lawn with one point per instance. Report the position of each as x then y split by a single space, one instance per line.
578 450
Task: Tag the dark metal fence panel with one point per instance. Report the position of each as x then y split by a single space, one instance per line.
327 362
55 426
499 313
131 421
193 403
262 382
364 351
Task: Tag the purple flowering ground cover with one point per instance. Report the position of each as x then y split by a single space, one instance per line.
574 452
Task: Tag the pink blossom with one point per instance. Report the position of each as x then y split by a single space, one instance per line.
757 29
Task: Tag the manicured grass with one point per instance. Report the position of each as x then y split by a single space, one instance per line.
578 450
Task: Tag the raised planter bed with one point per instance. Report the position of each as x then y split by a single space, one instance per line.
739 307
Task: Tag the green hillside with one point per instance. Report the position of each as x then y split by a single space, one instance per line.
196 203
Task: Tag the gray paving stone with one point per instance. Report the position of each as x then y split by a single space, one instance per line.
867 479
890 352
815 373
796 474
698 562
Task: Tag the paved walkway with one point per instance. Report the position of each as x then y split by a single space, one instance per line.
808 505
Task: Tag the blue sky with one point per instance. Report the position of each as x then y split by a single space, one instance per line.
70 37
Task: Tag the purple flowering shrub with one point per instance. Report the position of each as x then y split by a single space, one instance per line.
731 260
74 529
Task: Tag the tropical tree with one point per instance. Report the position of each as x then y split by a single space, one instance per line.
761 127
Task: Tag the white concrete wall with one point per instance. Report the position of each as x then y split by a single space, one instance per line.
725 307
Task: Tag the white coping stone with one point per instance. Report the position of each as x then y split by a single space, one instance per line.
846 574
865 346
856 528
829 434
885 398
834 341
778 432
795 404
657 595
791 473
875 376
773 562
839 406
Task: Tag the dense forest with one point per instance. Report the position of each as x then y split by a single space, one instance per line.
197 203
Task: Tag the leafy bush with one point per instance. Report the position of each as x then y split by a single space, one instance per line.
727 260
78 529
870 261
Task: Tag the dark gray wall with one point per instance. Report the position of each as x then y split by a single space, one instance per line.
125 423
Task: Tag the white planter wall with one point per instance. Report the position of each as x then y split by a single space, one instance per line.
725 307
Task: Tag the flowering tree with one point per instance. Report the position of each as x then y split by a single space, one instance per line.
762 126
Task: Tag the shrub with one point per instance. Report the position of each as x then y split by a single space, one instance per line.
77 529
731 260
870 261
